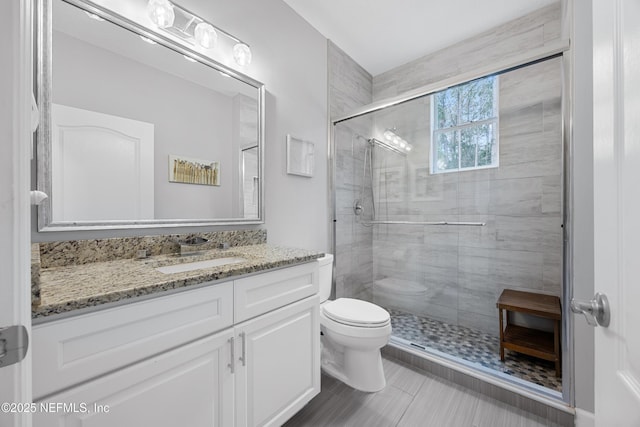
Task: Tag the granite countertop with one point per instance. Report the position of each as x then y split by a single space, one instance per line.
74 287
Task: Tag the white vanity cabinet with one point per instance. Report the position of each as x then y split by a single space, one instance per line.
181 359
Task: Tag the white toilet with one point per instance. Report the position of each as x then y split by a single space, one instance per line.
353 332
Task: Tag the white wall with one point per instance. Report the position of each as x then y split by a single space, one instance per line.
290 58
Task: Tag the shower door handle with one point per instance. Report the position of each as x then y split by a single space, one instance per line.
597 311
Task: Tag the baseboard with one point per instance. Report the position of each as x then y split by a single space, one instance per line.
585 418
554 411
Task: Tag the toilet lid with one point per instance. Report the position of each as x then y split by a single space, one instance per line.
356 312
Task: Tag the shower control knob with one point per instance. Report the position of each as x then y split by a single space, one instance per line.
596 311
357 208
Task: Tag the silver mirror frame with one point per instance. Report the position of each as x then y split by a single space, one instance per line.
241 174
43 137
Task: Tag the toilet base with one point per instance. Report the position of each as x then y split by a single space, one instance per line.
360 369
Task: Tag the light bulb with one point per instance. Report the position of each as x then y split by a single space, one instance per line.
402 144
388 135
161 13
408 147
395 140
242 54
206 35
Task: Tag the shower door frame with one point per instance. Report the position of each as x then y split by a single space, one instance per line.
559 49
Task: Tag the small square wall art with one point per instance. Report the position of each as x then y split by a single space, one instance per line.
193 171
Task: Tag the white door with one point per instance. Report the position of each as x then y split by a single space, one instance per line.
278 364
15 133
617 208
101 166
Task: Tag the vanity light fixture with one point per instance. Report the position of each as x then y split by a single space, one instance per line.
394 140
180 22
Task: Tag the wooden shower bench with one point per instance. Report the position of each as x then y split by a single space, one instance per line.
541 344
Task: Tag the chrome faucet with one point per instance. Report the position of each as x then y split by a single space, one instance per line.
191 245
193 241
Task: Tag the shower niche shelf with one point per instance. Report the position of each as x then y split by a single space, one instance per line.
533 342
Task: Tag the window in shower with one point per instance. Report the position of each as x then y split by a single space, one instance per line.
465 126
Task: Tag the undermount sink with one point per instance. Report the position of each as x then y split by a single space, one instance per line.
198 265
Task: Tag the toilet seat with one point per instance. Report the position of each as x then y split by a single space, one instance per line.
353 312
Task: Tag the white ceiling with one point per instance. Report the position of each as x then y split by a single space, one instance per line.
383 34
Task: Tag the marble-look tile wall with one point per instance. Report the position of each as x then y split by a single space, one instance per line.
456 273
350 86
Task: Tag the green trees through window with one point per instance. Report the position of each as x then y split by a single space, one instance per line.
465 124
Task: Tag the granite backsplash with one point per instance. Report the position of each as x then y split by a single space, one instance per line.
78 252
35 274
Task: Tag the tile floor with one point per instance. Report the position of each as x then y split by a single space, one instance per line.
412 398
473 346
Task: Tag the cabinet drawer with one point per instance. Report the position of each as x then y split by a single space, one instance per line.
261 293
69 351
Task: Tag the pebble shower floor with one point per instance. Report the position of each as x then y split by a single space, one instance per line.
473 346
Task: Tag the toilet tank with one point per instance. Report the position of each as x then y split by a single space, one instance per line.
325 266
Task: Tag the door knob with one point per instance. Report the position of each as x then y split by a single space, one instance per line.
14 342
596 311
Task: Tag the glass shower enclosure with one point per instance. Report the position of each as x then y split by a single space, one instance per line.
447 199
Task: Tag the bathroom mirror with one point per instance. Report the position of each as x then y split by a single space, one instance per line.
138 130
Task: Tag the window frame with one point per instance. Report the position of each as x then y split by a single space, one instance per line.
459 127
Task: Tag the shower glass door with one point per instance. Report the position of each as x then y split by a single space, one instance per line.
444 201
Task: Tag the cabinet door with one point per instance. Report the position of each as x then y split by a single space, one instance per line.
278 367
189 386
